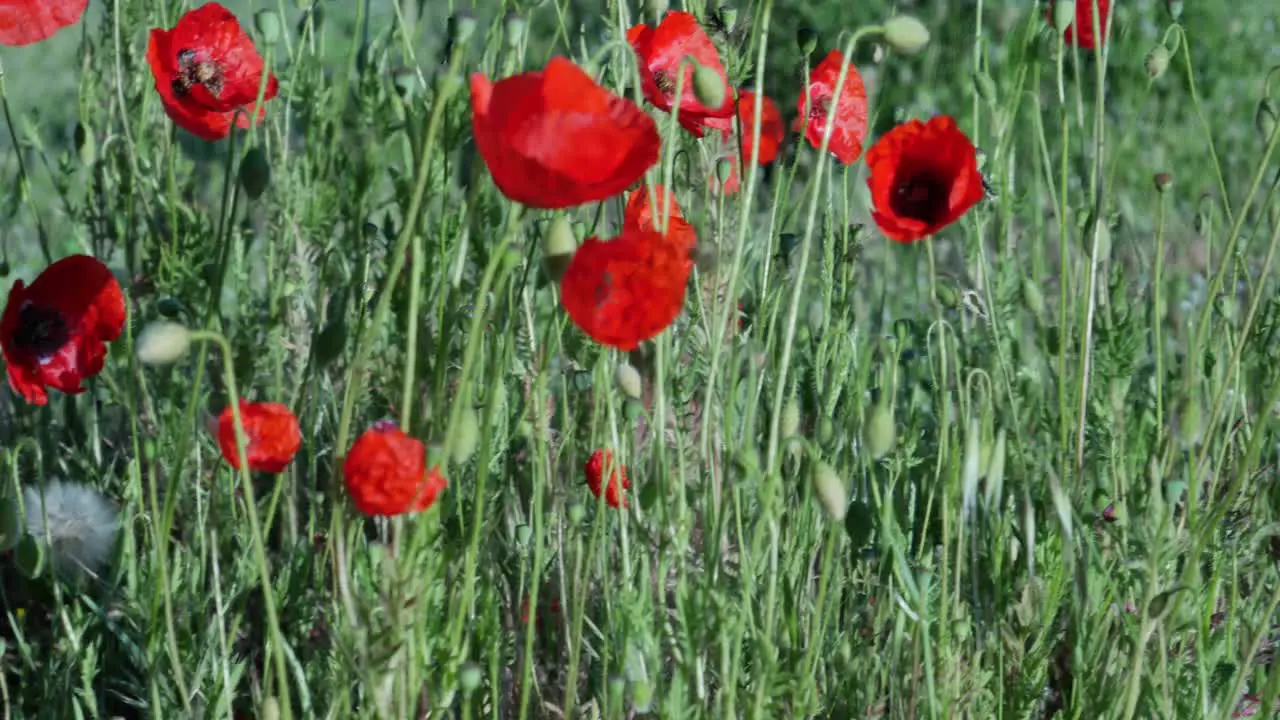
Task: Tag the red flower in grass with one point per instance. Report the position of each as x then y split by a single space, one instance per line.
772 133
386 473
23 22
661 50
555 139
641 216
271 432
924 176
848 113
626 290
1081 30
208 72
54 331
602 460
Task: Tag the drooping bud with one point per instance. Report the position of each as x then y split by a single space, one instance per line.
1175 9
708 86
880 433
86 146
1265 119
830 491
1162 181
629 381
984 86
514 27
806 40
255 173
1157 62
724 170
790 423
558 246
816 318
462 25
906 34
162 343
467 437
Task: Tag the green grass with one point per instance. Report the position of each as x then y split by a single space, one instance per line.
1077 513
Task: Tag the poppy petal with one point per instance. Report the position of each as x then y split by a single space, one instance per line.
23 22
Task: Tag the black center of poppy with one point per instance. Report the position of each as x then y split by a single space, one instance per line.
665 83
192 72
920 196
41 331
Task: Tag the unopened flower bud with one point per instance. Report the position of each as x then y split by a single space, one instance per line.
656 9
948 296
469 677
86 146
724 170
984 86
558 246
1162 181
806 40
906 34
1190 424
467 436
1032 296
830 491
629 381
729 17
162 343
268 24
514 26
816 317
255 173
1265 119
1175 9
270 709
708 86
462 25
790 423
1064 14
880 432
1157 62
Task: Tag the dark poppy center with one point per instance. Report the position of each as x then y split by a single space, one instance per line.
665 82
920 196
41 331
193 71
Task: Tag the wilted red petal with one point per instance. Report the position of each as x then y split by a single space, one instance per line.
54 332
555 139
924 176
848 114
23 22
385 473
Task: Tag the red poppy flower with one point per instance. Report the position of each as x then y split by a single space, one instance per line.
207 72
23 22
54 331
595 468
772 133
660 51
626 290
1081 30
554 139
385 473
848 113
641 216
272 436
924 176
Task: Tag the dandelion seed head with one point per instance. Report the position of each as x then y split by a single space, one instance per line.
75 524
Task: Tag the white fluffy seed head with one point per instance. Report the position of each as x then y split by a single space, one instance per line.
75 524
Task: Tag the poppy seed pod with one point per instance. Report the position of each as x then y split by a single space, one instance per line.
906 34
162 343
268 24
1157 61
1064 14
880 432
255 173
708 86
729 17
831 492
629 381
558 245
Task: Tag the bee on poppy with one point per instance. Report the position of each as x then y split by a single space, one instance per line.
192 73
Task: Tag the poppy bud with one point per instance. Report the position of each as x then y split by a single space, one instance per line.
270 709
642 696
1032 296
790 424
1157 61
86 146
816 317
447 85
467 437
1265 119
524 534
558 245
1064 14
1190 426
268 24
514 27
169 307
880 433
29 557
724 169
806 40
708 86
628 379
462 25
162 343
469 677
1163 181
1175 9
577 513
830 491
255 173
948 295
906 34
729 17
985 87
656 9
